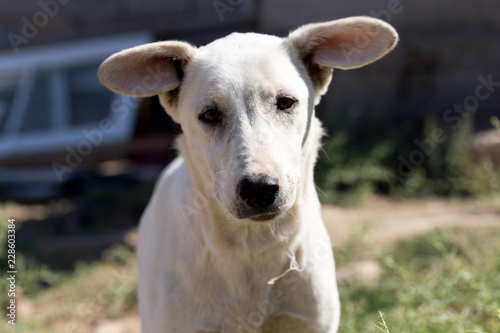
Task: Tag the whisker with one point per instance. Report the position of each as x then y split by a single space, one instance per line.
272 228
325 152
221 171
261 236
320 190
290 211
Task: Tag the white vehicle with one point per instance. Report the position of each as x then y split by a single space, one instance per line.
55 116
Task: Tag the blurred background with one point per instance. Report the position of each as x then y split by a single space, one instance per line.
413 144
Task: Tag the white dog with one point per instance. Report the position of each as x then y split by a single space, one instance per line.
233 240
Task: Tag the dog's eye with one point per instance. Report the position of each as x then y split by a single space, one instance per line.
285 103
210 116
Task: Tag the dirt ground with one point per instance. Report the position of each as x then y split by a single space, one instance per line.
387 220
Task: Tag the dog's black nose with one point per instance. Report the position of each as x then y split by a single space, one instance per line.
259 191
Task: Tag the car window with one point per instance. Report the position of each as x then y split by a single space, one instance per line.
8 85
89 100
36 117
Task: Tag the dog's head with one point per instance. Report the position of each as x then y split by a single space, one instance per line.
245 102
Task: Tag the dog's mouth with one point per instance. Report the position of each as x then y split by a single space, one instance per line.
262 214
264 217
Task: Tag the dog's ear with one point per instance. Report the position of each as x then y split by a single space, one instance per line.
345 44
146 70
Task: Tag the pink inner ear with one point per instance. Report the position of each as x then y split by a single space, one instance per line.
349 47
146 70
143 76
159 74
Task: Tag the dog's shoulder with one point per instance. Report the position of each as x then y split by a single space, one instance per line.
173 178
170 189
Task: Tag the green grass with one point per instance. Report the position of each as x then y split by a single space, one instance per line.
92 292
381 324
437 283
67 300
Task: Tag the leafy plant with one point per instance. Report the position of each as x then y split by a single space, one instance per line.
438 282
352 167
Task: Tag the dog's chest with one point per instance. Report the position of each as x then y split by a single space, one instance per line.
240 312
239 301
258 309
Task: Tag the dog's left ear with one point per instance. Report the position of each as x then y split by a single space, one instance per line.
345 44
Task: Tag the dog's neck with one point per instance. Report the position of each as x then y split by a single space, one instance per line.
221 230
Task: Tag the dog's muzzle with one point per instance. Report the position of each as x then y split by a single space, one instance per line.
259 194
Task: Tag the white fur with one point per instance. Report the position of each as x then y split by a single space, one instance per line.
206 264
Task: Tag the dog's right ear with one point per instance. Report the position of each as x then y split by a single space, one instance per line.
147 70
